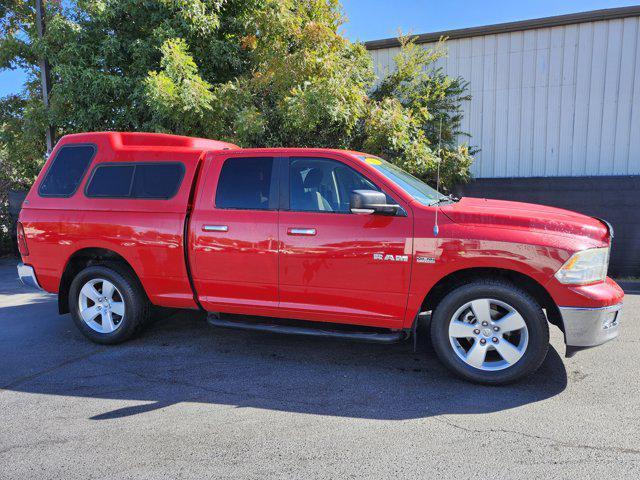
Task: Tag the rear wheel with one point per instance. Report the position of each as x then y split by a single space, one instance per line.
490 331
108 304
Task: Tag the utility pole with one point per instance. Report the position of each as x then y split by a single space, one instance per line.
45 76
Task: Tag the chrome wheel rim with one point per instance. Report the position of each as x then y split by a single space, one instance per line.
488 334
101 305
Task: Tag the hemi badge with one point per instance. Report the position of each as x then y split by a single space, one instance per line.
425 260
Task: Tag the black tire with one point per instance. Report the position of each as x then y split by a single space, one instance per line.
137 306
526 306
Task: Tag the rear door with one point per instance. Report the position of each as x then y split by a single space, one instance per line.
336 266
234 236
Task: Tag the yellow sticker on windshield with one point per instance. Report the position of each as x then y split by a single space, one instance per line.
373 161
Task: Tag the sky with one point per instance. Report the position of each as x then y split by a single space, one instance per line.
375 19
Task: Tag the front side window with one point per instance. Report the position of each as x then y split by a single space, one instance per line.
136 180
245 183
323 185
67 170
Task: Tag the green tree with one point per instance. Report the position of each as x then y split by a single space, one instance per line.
416 116
253 72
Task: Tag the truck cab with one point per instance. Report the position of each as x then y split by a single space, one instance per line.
313 242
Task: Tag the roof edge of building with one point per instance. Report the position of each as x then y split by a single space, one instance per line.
521 25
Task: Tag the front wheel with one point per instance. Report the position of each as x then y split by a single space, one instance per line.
107 304
490 332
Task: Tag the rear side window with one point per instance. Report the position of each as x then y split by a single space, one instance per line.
136 180
245 183
156 181
67 170
111 181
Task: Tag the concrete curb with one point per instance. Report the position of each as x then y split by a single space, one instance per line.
629 286
9 260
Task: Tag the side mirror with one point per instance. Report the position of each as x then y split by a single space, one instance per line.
367 202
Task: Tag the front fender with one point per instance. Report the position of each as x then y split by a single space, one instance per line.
461 248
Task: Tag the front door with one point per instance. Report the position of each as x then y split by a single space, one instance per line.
234 237
336 266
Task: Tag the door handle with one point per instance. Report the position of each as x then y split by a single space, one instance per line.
301 231
215 228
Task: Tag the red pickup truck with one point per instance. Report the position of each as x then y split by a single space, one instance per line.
310 241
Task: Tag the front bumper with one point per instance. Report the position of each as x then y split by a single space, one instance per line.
589 327
27 276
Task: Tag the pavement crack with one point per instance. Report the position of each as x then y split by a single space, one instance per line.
551 440
35 375
219 391
32 445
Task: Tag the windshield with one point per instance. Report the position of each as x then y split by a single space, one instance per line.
415 187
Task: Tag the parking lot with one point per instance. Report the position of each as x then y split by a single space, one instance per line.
187 400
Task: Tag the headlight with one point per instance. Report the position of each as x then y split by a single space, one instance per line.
587 266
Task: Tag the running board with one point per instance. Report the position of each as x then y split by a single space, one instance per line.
371 337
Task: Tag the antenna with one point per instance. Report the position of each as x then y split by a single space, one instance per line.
435 225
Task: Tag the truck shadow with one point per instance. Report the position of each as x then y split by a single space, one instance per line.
180 358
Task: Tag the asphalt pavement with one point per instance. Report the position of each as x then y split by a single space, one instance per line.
186 400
